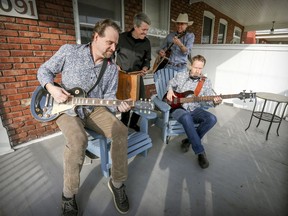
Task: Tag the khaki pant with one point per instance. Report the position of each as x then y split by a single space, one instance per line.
102 121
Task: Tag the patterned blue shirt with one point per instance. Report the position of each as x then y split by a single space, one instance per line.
182 83
76 64
177 56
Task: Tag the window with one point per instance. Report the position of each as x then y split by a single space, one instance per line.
237 35
208 26
222 31
88 12
159 13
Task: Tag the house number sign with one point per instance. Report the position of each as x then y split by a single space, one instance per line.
19 8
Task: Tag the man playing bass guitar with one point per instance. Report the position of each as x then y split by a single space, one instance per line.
193 113
182 43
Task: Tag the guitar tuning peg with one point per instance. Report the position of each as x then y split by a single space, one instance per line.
141 99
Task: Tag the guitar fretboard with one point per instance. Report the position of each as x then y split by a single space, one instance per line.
98 102
207 98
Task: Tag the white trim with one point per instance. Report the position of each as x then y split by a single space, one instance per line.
76 21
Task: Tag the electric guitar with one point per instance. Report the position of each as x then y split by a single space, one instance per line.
182 98
44 108
161 62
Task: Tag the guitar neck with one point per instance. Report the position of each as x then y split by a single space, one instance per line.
207 98
98 102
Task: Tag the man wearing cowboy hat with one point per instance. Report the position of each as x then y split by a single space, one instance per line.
182 44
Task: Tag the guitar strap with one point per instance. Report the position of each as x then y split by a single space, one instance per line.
199 86
104 65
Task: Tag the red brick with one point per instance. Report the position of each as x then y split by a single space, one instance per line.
11 59
26 77
21 53
40 41
31 47
18 40
24 65
13 26
8 91
33 59
10 46
7 79
29 34
11 33
15 84
14 72
6 66
50 36
5 53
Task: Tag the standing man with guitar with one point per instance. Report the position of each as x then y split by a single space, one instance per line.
177 46
191 113
89 67
134 54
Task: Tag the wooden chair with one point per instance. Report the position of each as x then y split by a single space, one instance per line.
138 143
169 126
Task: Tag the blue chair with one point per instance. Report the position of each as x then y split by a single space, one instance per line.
138 143
169 126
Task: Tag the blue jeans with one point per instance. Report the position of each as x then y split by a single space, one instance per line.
179 69
188 119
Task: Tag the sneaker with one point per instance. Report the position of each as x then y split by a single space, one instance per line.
69 206
185 145
120 198
202 160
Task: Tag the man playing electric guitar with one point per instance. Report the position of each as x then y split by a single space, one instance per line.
81 65
182 46
193 113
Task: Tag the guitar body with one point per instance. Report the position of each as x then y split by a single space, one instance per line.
160 63
43 107
176 101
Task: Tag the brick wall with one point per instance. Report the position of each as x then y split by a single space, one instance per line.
25 45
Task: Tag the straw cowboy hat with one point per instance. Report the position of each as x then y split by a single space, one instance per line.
183 18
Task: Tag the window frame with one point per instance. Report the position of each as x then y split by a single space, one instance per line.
225 23
211 16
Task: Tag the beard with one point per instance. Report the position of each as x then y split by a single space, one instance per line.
108 54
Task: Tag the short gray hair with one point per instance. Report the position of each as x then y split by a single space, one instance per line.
141 17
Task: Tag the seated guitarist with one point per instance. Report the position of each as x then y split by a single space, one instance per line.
182 42
81 66
193 113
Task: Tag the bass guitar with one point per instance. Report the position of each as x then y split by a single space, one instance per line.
182 98
44 108
161 62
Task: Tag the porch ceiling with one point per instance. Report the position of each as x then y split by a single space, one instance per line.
254 15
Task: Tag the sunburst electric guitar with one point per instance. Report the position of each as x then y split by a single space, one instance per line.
44 108
183 98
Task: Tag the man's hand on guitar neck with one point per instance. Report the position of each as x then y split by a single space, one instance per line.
123 107
59 94
162 53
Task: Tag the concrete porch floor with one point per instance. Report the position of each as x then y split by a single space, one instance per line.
247 175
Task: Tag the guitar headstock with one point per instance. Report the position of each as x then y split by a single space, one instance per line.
144 105
243 96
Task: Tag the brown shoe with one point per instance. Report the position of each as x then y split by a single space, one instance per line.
185 145
202 160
